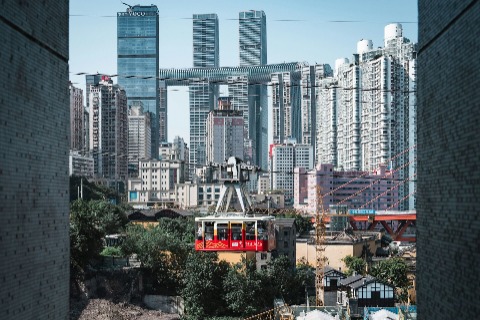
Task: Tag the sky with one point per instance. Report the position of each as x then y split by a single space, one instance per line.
312 31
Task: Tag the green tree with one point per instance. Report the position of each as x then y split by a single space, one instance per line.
245 289
354 264
394 272
203 285
305 276
90 221
303 224
281 281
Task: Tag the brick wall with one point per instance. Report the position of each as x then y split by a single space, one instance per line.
448 224
34 142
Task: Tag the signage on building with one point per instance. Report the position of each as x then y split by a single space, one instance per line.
361 211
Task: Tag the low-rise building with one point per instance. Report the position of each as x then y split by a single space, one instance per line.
80 165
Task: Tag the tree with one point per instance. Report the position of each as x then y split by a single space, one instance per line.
303 224
354 264
394 272
245 289
90 221
203 285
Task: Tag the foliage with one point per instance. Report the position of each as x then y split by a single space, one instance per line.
281 280
203 289
393 271
90 221
303 223
91 191
305 275
111 252
245 291
354 264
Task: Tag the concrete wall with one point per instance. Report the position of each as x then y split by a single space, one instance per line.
448 225
167 304
34 145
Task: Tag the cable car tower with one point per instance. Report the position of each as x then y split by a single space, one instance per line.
228 230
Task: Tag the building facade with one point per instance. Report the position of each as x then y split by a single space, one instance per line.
34 145
376 190
139 135
156 182
80 165
283 159
138 64
109 131
448 162
366 112
224 135
76 118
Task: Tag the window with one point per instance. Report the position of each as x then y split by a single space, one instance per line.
285 244
263 256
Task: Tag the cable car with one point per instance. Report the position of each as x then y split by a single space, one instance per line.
235 233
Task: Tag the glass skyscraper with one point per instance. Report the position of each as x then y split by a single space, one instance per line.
203 93
137 62
252 29
253 38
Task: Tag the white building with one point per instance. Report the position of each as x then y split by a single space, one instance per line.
156 181
139 134
366 113
283 159
80 165
108 130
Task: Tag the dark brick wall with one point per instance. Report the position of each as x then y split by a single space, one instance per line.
34 142
448 205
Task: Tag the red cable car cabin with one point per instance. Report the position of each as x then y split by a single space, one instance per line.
232 233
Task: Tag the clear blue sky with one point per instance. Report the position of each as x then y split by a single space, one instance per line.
323 31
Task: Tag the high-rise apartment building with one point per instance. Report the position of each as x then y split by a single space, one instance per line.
309 85
283 159
224 133
138 64
109 131
34 144
285 108
139 135
367 112
76 118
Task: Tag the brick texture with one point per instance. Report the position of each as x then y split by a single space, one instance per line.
448 224
34 142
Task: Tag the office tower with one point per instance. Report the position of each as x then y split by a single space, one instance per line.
252 29
137 62
76 118
91 80
34 146
283 159
205 41
109 131
139 136
86 130
448 160
311 75
162 118
253 38
203 94
224 133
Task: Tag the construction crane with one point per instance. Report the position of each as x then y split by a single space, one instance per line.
320 249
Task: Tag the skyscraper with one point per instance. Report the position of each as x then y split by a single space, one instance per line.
138 64
202 93
253 38
252 29
139 136
76 119
205 41
109 131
